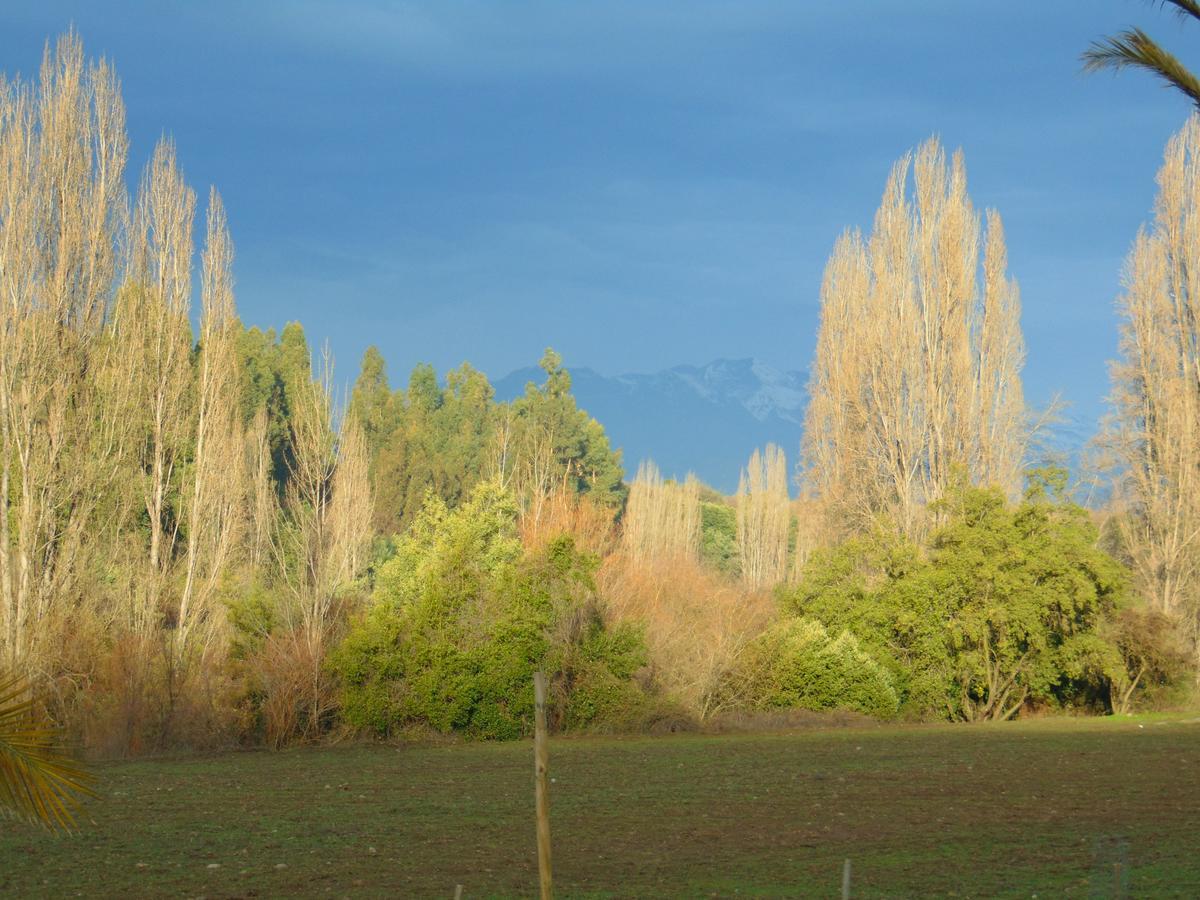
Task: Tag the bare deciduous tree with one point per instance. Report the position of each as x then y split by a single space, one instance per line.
213 511
62 203
303 535
262 500
764 518
662 518
351 507
917 369
322 538
1155 431
811 520
159 333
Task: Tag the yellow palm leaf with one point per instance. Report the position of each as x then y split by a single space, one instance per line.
1135 49
38 782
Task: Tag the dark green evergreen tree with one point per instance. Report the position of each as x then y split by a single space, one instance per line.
582 458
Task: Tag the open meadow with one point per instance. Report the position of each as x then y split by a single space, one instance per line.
1048 807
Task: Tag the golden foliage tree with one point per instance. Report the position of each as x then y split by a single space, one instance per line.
1155 431
62 206
764 518
919 352
662 518
214 510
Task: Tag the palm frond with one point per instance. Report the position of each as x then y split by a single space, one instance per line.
1183 8
1136 49
38 782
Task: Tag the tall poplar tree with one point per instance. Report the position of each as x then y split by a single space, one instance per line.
662 518
764 518
63 209
919 353
1155 431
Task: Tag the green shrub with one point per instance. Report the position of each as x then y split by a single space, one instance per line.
1005 604
601 690
718 538
796 664
461 620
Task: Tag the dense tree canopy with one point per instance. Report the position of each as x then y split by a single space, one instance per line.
1004 605
445 438
461 619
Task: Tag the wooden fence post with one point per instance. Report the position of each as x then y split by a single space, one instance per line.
541 762
846 880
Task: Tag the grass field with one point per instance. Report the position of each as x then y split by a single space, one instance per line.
1048 808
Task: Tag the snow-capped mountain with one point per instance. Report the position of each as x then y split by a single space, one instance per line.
702 419
709 419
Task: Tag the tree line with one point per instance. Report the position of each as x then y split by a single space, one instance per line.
202 541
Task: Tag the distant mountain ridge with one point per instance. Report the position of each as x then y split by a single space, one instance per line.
703 419
709 419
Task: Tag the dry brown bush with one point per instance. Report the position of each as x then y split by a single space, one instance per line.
697 623
137 699
565 512
295 696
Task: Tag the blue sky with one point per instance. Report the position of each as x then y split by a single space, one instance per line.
638 184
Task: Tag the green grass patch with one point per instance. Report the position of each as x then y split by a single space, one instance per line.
1051 807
